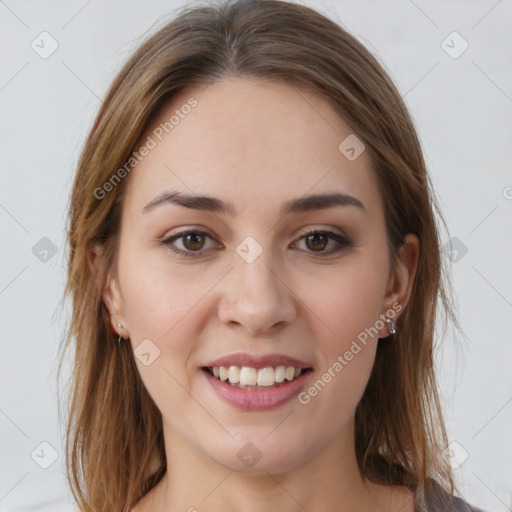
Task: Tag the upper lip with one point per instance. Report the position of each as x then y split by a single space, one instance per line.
253 361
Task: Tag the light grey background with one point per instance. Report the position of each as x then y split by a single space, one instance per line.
462 107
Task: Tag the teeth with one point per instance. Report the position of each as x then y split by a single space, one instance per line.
266 376
290 373
234 374
280 373
247 376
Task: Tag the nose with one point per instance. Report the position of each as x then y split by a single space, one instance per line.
257 298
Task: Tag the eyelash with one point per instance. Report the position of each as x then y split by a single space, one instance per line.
341 239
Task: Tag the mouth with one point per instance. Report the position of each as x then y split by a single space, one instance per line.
256 389
256 379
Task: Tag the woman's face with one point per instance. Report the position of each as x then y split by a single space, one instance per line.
249 285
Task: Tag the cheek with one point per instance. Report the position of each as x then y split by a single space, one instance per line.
166 309
169 307
347 307
345 301
157 298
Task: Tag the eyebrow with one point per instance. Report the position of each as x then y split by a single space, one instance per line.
213 204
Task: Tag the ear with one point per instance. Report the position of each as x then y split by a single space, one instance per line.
110 293
400 283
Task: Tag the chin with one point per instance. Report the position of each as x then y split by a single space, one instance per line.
275 464
259 456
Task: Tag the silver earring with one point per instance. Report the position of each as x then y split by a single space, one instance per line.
119 338
391 325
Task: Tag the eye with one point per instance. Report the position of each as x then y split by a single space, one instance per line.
316 241
191 240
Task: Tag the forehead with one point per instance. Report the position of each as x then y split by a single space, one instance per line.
254 143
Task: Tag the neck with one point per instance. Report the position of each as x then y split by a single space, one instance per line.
330 480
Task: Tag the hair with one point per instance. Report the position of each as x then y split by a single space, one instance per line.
114 438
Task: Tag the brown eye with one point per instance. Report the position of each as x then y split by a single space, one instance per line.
193 241
317 241
188 244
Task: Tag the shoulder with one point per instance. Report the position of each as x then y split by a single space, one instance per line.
439 500
463 506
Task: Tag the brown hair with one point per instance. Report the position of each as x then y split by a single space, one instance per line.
115 451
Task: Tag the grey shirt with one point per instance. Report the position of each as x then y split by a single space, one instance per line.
441 501
459 505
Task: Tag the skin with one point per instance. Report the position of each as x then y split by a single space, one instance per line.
256 144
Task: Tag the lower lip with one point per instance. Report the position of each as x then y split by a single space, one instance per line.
255 400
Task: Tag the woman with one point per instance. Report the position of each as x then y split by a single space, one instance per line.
255 270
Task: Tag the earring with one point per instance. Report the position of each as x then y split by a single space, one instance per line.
391 325
119 338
